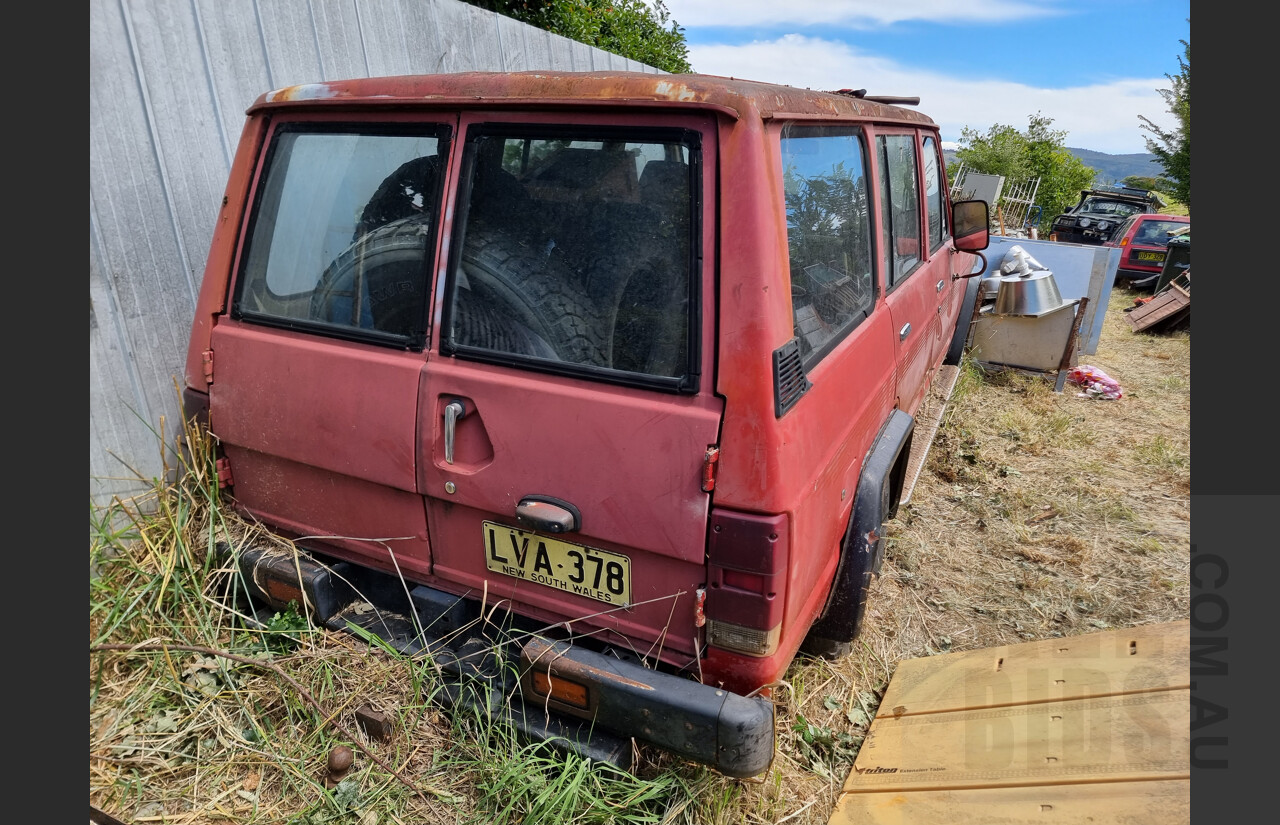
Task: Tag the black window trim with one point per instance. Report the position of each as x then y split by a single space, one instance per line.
442 131
689 383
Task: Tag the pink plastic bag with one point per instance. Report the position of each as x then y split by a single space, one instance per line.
1095 382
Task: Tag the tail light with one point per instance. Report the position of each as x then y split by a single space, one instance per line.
746 581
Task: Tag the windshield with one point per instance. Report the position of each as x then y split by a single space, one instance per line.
1119 209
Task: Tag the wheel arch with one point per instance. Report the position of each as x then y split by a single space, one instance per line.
875 501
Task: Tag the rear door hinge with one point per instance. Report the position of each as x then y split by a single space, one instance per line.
709 462
223 467
207 359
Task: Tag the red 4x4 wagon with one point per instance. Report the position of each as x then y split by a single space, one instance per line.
599 386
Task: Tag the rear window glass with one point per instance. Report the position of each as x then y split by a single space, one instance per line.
341 230
576 253
1156 233
900 205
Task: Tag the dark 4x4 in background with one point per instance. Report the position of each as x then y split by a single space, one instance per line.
1095 218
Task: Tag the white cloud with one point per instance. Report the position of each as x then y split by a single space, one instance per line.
853 13
1101 117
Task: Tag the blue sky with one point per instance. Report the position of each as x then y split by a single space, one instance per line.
1093 66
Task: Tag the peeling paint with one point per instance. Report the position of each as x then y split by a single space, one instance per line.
665 89
305 91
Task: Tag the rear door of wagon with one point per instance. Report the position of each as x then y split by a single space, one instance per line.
567 409
316 369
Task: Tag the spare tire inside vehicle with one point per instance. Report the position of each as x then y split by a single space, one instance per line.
379 282
534 291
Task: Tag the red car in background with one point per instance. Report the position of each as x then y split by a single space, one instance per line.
1144 241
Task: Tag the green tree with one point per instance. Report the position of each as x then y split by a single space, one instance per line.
1036 152
1172 147
630 28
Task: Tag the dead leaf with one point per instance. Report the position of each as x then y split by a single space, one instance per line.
201 664
251 781
1045 516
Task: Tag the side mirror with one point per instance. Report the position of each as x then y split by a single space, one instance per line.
972 222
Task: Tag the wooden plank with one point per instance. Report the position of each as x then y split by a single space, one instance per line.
1110 663
1089 728
1112 803
1134 737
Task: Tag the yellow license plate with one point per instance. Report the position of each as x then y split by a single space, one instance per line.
573 568
1151 256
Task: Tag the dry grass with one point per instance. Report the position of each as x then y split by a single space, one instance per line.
1038 515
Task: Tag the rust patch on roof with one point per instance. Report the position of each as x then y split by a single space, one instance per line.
304 91
726 95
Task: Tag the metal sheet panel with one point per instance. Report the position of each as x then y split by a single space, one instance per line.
1079 270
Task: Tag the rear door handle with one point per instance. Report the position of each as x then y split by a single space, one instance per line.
453 411
904 332
940 283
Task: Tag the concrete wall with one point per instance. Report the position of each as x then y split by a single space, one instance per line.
169 81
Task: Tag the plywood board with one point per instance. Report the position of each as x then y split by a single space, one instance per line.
1159 308
1122 803
1109 739
1110 663
1089 728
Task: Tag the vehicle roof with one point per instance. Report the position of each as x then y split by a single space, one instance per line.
731 96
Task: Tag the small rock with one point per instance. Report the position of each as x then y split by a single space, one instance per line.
340 761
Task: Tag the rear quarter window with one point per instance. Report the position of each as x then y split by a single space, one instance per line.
828 234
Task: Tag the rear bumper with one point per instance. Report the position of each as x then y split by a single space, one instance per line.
580 699
729 732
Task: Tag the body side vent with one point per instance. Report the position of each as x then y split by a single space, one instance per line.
789 379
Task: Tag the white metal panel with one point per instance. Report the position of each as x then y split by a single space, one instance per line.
537 48
287 32
336 24
452 21
511 44
486 50
235 65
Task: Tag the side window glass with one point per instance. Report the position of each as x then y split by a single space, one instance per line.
576 253
341 233
828 234
935 195
899 205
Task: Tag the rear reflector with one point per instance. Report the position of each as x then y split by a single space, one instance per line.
560 689
745 640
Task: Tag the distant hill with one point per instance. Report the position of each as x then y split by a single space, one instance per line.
1110 168
1115 168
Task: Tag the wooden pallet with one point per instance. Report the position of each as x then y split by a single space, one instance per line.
1168 307
1092 728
